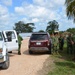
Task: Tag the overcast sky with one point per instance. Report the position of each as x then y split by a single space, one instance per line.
39 12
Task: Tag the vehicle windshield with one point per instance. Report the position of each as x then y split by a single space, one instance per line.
39 37
1 38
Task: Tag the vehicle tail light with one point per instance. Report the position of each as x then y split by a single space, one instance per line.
31 43
48 43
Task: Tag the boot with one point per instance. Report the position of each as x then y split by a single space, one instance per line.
19 53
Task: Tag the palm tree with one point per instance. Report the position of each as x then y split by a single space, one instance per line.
70 9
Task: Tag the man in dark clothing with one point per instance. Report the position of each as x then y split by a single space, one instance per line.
70 44
61 42
19 43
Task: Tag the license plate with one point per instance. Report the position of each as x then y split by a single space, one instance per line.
38 43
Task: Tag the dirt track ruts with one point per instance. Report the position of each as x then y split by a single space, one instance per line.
25 64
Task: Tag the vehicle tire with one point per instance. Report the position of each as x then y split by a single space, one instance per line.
6 63
49 52
49 49
10 52
30 52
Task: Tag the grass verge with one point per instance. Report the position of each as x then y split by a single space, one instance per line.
63 64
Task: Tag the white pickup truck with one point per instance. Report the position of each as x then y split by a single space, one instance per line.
8 42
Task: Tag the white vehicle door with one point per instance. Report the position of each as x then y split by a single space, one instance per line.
13 44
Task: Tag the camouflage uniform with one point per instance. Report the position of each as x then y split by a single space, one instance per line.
52 42
69 44
61 42
19 43
55 44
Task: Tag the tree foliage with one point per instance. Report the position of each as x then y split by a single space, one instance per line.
52 26
71 30
70 9
41 31
22 27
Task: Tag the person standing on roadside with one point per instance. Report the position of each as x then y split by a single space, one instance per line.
52 42
55 43
19 43
61 42
70 44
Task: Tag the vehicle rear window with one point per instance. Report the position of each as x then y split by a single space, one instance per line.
39 37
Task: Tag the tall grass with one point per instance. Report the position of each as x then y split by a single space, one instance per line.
63 63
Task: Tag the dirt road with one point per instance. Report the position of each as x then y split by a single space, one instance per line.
25 64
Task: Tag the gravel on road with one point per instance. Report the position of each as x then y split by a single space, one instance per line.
25 64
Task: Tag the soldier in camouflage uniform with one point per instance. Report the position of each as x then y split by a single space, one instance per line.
52 42
70 44
19 43
61 42
55 43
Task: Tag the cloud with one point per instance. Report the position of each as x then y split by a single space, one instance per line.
3 14
40 8
19 10
34 20
43 11
49 3
59 2
6 19
35 11
3 9
6 2
39 12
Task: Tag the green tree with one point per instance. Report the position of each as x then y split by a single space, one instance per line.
41 31
52 26
71 30
70 9
60 32
22 27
